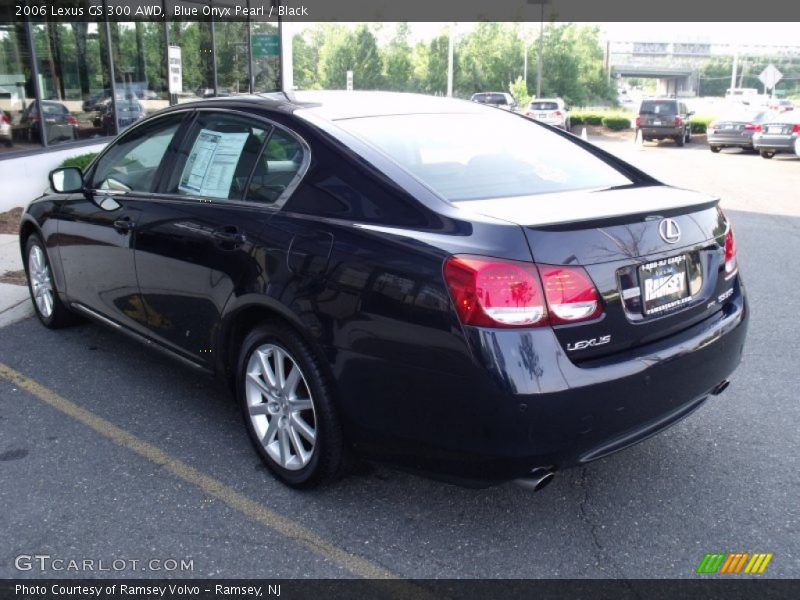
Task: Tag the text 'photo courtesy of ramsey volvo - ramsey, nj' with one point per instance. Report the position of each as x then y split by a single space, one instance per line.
427 282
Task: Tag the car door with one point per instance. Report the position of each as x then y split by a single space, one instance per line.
96 229
195 243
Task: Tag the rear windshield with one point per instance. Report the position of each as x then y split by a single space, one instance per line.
479 156
490 98
53 109
659 107
544 106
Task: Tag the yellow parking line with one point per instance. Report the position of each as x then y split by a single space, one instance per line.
213 487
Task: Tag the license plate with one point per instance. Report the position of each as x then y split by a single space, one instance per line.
542 115
656 122
664 284
775 129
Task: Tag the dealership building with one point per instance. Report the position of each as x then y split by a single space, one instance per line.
67 87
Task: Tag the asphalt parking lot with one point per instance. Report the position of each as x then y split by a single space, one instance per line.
108 451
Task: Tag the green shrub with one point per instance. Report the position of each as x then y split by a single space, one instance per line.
699 123
81 161
576 119
616 123
593 119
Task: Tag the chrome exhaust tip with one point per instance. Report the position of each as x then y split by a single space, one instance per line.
538 479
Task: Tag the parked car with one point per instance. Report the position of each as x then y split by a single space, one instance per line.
664 118
735 129
496 99
97 101
552 111
782 105
59 124
6 134
780 132
425 281
129 112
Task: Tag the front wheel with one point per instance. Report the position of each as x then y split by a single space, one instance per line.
767 153
52 312
288 407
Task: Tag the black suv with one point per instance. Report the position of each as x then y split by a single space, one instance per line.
662 118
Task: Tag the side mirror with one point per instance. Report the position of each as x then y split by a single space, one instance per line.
690 113
66 180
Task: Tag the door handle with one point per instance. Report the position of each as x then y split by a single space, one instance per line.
229 235
124 225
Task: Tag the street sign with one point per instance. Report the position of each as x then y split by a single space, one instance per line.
770 76
349 81
175 70
265 44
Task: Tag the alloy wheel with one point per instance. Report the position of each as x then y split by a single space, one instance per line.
280 407
41 282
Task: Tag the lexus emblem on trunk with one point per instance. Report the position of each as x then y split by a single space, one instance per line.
669 230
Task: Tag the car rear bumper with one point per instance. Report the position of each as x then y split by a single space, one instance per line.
778 143
525 405
740 141
661 132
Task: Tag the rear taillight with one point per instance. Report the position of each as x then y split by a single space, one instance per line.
678 121
730 251
4 118
796 128
557 113
571 295
489 292
529 114
638 121
72 120
752 127
495 293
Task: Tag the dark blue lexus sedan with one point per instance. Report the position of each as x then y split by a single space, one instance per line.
428 282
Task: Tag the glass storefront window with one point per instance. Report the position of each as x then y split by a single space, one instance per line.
16 89
265 43
73 80
233 68
197 56
139 74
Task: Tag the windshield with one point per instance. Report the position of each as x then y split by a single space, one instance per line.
479 156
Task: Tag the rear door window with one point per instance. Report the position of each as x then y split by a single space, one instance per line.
217 157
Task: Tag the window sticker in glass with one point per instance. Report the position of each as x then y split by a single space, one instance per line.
211 164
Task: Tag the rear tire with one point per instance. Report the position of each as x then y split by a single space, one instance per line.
680 140
767 153
50 310
288 407
715 149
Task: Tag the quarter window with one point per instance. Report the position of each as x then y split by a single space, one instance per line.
279 165
131 163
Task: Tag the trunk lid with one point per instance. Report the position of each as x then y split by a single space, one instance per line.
651 287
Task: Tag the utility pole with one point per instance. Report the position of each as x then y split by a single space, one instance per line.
541 50
735 66
525 63
450 61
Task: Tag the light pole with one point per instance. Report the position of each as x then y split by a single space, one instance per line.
451 33
541 4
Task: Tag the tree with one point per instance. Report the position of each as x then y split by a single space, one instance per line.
355 51
398 67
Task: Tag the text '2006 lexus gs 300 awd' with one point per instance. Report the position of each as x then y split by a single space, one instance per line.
422 281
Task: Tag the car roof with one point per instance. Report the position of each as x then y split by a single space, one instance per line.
340 104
